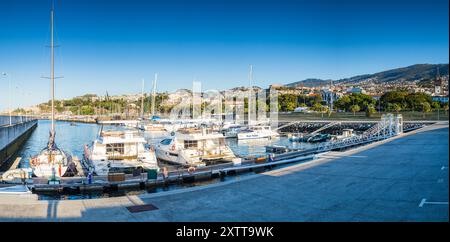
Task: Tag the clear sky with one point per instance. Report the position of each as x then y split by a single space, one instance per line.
111 44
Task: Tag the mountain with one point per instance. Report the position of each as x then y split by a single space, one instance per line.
311 82
408 74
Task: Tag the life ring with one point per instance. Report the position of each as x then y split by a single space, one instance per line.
172 147
33 161
191 169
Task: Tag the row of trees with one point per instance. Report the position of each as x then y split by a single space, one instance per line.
85 105
394 101
288 102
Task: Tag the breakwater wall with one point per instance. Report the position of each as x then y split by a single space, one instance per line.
358 127
13 136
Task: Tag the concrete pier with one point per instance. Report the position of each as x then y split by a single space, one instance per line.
13 136
404 178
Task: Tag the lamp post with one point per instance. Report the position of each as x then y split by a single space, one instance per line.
9 97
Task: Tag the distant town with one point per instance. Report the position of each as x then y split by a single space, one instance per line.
423 92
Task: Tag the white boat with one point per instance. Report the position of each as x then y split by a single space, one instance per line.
194 147
119 151
152 127
346 134
52 161
257 132
231 130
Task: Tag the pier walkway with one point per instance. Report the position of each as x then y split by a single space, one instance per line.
404 178
14 135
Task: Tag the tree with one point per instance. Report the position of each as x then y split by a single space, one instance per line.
319 107
396 107
445 107
354 108
388 99
426 107
370 111
87 110
362 100
287 102
436 105
415 100
342 103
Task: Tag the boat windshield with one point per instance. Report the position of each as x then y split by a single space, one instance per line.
166 141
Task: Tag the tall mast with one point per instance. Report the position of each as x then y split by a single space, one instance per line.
52 77
250 96
154 94
142 99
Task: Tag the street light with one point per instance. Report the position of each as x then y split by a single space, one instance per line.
9 97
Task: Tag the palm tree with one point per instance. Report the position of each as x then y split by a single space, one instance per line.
354 109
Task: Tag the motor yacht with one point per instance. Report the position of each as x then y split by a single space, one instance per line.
194 147
119 151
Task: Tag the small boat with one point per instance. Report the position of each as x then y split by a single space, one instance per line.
194 147
257 132
318 138
16 190
119 151
298 137
346 134
73 124
152 127
231 131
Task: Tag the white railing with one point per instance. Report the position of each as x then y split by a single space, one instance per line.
388 126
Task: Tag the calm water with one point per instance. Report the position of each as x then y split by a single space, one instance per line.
72 138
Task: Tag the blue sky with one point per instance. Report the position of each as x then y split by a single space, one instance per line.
111 45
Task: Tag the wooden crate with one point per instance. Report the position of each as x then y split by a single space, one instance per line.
116 177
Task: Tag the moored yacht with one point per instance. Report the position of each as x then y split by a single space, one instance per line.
152 126
119 151
231 131
195 147
257 132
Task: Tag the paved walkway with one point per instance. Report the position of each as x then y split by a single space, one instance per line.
403 179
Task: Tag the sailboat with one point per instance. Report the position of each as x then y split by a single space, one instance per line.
256 128
154 124
52 161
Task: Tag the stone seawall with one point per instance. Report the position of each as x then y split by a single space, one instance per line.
12 138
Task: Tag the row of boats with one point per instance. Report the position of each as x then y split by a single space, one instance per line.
320 137
190 144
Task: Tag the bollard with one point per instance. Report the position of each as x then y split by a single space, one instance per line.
89 178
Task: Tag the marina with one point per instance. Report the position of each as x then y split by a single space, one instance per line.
179 112
102 170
